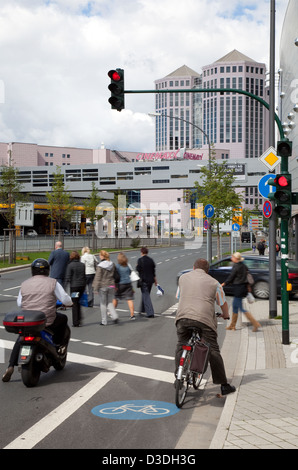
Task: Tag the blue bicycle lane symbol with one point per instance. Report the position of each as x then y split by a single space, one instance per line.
135 410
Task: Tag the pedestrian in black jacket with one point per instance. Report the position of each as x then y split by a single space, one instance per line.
146 270
76 277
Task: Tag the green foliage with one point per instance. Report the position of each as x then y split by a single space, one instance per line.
216 188
10 192
90 206
59 200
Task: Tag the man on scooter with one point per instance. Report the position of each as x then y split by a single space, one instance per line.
41 292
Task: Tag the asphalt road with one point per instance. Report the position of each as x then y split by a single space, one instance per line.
131 363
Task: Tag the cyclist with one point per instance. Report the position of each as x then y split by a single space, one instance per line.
197 294
41 292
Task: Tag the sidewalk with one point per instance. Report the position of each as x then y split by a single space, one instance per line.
263 412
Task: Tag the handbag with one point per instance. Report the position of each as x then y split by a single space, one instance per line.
250 279
133 275
116 275
199 360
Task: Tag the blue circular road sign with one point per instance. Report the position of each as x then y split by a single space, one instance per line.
135 409
264 187
209 210
236 227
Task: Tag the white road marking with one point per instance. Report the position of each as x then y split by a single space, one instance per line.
49 423
90 343
142 353
11 288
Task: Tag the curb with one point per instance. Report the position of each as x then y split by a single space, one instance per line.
223 426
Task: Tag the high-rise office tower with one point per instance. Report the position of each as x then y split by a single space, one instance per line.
178 111
234 121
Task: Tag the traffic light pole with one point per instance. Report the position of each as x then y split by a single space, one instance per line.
216 90
284 236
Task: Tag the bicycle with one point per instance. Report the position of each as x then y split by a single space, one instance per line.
188 373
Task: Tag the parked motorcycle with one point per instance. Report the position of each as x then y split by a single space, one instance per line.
38 352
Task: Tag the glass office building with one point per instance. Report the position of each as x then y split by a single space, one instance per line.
178 111
234 121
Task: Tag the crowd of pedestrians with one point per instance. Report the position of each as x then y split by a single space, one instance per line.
85 275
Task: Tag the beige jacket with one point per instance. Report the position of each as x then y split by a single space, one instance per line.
38 293
197 298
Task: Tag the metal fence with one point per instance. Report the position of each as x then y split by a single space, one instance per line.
47 243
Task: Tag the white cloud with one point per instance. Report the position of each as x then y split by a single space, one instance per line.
55 56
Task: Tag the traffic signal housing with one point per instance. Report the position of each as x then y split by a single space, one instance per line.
283 195
284 148
116 88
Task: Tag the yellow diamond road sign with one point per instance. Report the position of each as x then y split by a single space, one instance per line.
270 159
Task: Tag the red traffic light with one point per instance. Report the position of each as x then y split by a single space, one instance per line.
114 75
282 181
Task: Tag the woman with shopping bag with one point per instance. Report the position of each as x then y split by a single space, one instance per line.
90 263
238 277
124 290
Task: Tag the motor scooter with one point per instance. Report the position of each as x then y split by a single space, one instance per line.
38 352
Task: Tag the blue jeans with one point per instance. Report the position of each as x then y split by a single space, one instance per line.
237 305
146 305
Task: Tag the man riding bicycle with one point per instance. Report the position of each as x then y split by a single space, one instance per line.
197 293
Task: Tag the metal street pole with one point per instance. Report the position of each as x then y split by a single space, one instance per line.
284 236
272 219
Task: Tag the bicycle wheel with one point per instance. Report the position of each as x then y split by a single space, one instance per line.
182 383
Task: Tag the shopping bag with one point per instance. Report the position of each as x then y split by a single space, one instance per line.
133 275
250 298
159 290
84 300
199 361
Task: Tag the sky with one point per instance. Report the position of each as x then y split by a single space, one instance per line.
55 57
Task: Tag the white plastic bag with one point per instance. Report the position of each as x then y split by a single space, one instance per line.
250 298
159 290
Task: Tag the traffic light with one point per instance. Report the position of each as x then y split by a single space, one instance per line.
117 89
284 148
283 195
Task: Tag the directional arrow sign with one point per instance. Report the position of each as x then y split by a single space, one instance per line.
264 187
209 210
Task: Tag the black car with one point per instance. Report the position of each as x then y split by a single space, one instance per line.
246 237
259 268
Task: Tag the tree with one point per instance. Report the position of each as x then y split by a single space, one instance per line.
90 207
59 200
10 194
216 188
